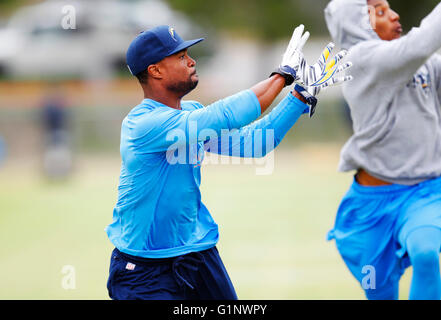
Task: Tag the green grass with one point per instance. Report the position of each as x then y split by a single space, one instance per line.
272 227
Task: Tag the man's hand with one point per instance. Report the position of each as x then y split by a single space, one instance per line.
309 93
289 67
310 80
294 67
324 73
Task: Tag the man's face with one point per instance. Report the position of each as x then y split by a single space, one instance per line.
384 20
179 72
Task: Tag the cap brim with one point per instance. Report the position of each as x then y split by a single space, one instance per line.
185 45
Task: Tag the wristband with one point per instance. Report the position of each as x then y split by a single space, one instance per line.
287 72
310 99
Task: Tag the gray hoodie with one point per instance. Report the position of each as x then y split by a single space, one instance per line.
394 98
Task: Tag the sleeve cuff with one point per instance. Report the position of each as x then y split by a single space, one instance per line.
255 102
298 104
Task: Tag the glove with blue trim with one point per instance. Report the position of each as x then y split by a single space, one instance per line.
295 68
322 75
292 66
310 79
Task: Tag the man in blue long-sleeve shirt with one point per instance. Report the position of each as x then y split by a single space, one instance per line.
164 236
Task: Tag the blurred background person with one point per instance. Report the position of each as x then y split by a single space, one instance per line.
2 150
57 156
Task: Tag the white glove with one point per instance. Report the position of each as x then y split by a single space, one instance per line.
324 73
295 68
327 76
289 67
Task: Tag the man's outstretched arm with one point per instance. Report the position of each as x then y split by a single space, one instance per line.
262 136
267 90
230 113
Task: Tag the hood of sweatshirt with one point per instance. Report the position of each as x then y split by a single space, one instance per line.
348 22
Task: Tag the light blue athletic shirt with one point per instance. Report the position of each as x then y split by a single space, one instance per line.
159 212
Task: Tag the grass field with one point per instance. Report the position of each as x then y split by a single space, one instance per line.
272 227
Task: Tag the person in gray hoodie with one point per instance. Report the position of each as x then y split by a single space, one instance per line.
390 218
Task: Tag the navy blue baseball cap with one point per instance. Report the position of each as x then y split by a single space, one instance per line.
153 45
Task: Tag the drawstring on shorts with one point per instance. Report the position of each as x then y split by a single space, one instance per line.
187 262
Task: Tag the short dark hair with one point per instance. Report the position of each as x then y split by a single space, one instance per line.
143 76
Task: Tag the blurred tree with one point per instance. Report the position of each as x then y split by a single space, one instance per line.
412 12
271 20
9 6
264 19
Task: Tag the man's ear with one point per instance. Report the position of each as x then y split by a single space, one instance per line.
154 71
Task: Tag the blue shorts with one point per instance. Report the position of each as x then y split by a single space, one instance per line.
194 276
373 223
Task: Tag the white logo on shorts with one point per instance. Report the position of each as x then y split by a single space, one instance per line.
130 266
